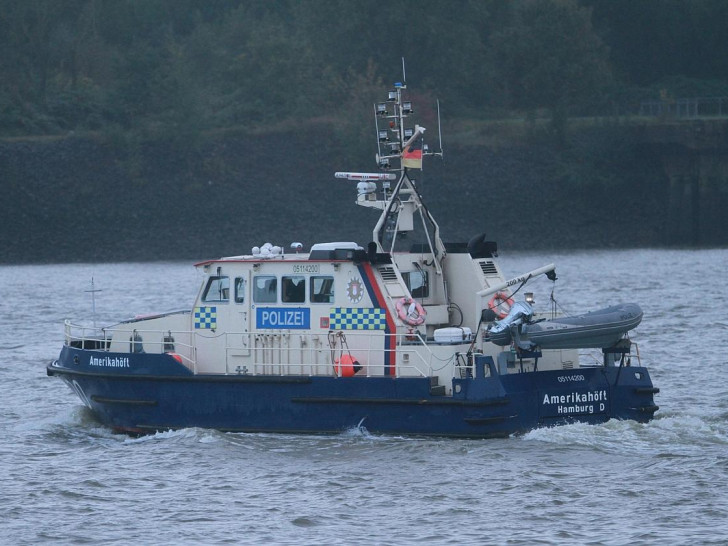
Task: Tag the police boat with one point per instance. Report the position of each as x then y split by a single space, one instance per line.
404 334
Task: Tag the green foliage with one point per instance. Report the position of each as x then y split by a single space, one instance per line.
550 57
652 40
173 69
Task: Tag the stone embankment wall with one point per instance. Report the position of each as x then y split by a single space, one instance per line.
694 157
86 199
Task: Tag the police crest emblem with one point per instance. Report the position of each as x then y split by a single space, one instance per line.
354 290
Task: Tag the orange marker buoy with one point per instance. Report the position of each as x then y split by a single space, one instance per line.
349 366
177 357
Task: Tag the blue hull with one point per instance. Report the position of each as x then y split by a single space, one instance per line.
140 393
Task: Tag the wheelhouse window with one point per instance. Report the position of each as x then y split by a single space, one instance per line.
418 283
293 289
239 290
322 289
217 290
265 289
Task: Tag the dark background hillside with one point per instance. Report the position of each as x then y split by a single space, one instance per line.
85 202
154 129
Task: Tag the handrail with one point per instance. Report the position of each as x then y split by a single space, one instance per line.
93 337
315 349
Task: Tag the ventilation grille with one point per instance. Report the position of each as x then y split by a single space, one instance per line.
567 365
488 268
388 274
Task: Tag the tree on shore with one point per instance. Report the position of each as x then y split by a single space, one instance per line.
161 66
549 56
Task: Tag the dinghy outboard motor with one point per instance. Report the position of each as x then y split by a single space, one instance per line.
500 332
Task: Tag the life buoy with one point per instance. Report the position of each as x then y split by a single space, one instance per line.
411 312
500 304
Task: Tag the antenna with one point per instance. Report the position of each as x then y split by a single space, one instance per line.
93 300
365 177
404 76
439 126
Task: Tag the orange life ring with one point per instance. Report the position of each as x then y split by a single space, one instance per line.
497 302
411 312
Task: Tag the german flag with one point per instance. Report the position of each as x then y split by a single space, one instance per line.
412 155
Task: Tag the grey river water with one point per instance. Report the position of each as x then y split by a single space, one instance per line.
66 479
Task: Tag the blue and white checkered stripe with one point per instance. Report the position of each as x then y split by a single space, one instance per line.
205 318
357 318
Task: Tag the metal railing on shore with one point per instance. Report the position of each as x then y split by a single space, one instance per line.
685 108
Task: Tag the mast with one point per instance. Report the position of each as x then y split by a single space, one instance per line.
405 222
406 149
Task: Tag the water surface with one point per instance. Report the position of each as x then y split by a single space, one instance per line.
67 479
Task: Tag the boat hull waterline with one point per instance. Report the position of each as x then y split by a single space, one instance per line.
134 399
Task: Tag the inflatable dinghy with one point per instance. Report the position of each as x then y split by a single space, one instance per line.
597 329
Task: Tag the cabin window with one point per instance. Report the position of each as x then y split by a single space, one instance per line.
217 290
239 290
293 289
265 289
322 289
417 282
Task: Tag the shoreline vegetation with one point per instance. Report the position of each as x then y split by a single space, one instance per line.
150 129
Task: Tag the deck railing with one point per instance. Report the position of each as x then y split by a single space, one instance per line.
273 352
